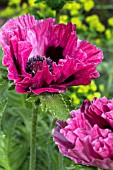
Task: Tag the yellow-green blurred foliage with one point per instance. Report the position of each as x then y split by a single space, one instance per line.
15 9
110 21
94 23
79 93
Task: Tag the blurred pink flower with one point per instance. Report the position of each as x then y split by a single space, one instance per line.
87 137
42 56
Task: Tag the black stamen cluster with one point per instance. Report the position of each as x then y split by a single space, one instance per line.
30 65
49 62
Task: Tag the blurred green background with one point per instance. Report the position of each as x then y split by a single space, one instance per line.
94 20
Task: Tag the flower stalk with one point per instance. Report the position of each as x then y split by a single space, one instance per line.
57 16
32 164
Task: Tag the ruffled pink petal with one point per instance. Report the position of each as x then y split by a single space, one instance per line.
105 164
80 55
42 80
65 69
8 57
43 77
84 76
24 22
94 55
42 35
24 50
23 86
71 45
61 33
108 116
75 67
97 105
49 89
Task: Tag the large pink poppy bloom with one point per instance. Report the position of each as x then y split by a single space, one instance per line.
44 56
87 137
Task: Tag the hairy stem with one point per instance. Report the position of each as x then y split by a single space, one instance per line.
32 164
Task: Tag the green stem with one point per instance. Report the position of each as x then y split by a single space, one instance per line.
57 16
61 162
32 165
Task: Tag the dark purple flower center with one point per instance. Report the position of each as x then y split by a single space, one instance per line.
53 54
34 64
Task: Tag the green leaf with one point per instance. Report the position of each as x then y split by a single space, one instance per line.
3 82
32 98
55 104
3 73
3 104
68 101
11 85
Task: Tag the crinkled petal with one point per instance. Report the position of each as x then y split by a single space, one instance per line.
94 55
90 133
61 33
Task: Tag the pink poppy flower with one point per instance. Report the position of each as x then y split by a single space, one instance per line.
44 56
87 137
